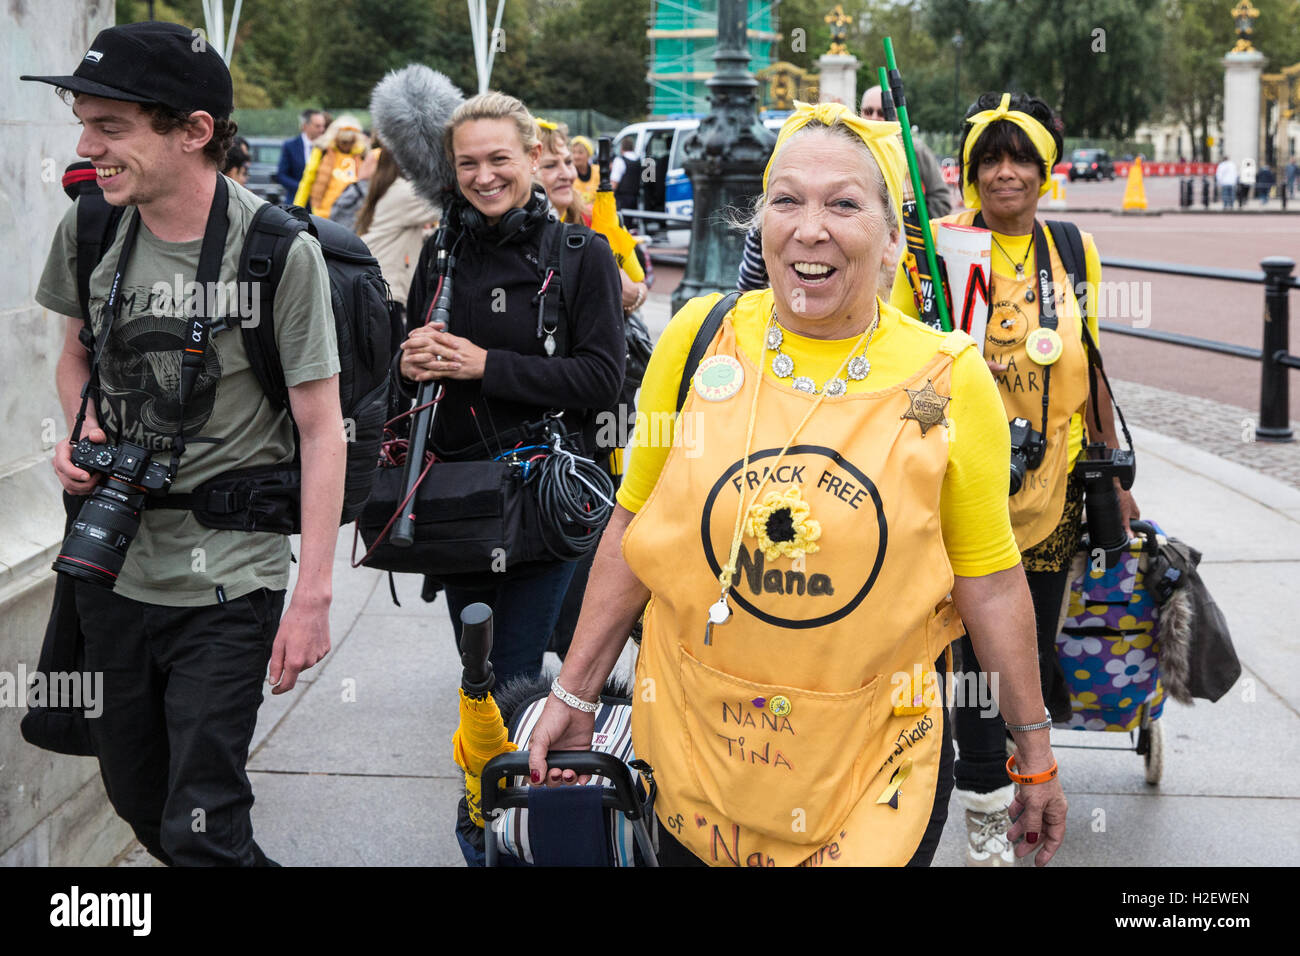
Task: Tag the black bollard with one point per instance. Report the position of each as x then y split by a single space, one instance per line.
1274 384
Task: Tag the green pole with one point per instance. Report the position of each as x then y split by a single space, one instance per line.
923 214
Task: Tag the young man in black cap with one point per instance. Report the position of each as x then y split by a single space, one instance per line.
184 634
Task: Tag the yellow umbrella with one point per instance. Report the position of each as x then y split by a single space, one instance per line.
604 220
480 737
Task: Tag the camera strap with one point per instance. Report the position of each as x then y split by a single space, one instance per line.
1047 317
198 333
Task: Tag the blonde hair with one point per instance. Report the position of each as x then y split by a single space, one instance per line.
492 105
554 139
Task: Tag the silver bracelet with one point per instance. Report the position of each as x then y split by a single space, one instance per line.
1024 728
577 703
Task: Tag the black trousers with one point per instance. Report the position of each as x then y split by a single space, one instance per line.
982 735
181 690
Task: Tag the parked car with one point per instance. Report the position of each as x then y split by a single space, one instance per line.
662 140
261 171
1091 164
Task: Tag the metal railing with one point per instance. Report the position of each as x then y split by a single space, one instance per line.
1275 358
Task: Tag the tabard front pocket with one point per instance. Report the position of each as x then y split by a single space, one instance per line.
781 761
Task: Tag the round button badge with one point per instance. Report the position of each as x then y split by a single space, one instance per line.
779 705
1043 346
718 378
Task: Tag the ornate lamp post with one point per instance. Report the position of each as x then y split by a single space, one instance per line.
1243 17
724 159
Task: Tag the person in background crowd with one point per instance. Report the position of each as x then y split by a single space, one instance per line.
1245 183
334 163
587 173
625 175
296 150
556 173
393 222
1226 177
938 197
345 208
235 165
1008 147
1292 174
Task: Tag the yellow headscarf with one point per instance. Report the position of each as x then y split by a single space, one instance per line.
584 142
1038 135
883 139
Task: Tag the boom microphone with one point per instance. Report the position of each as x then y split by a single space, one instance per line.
410 108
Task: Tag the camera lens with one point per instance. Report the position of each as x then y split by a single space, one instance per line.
1018 468
95 548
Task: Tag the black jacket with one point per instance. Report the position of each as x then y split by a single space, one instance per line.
494 305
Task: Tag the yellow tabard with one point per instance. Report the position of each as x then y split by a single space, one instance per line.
1036 509
777 743
336 172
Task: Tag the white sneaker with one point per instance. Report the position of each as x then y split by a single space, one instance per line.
987 822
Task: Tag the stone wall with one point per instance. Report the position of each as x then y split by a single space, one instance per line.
52 808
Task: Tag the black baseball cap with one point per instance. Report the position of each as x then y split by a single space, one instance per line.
153 62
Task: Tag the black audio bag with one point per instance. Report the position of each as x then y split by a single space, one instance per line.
366 325
469 516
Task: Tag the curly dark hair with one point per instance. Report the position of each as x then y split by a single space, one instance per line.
1004 138
165 119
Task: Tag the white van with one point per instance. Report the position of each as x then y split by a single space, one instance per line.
662 141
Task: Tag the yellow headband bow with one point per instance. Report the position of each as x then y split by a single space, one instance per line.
547 125
1038 135
883 139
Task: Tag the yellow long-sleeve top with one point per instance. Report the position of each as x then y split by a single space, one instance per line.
976 527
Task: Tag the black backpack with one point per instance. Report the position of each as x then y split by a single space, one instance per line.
268 498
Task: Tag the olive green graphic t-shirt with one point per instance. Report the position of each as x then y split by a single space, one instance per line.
228 421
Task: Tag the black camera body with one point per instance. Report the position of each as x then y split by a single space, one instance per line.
1027 449
95 547
127 463
1098 466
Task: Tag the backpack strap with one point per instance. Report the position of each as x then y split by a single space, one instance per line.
1069 246
266 249
97 223
700 344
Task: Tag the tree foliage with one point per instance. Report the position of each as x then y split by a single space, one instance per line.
1105 65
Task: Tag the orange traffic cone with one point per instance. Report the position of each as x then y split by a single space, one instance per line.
1135 194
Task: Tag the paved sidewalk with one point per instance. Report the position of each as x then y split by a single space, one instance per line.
353 767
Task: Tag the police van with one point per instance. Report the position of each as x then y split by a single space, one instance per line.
659 143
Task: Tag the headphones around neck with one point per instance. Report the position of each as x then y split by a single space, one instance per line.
513 226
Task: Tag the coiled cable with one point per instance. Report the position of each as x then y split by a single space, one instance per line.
575 498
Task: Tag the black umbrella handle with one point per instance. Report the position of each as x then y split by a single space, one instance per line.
477 679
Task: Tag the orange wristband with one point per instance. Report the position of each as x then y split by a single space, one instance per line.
1026 778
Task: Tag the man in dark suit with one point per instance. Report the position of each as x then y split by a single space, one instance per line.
294 152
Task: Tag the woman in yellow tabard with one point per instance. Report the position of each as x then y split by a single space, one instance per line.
1009 144
333 166
832 499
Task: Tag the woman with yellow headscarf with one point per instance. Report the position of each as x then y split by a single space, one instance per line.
802 539
1009 145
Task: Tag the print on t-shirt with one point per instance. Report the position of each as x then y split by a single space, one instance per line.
140 373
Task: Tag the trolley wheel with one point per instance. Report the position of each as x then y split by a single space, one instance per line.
1155 752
